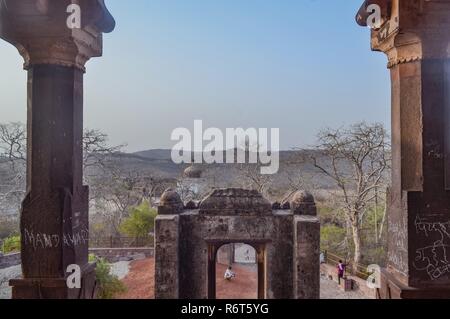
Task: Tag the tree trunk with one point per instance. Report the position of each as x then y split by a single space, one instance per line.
383 221
357 243
376 215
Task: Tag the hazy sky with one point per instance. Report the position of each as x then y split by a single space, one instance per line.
297 65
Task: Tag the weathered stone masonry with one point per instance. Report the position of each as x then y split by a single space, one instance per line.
415 36
54 217
286 241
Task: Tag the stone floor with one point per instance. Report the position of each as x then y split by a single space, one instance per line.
138 276
120 269
330 290
243 286
140 280
5 275
140 283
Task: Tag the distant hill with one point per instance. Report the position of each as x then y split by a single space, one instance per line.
162 154
157 154
158 163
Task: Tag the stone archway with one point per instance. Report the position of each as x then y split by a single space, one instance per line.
187 240
260 249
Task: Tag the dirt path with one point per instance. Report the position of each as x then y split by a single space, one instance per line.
330 290
140 281
244 286
141 278
6 275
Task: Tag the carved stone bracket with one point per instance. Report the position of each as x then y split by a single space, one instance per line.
39 30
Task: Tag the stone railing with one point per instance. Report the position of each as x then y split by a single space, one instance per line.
110 254
122 254
9 260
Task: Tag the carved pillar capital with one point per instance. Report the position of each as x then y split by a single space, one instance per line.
410 30
39 29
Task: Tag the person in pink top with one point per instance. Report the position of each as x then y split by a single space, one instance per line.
341 271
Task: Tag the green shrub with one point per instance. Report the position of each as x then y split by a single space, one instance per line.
8 227
11 244
375 255
140 222
109 285
331 239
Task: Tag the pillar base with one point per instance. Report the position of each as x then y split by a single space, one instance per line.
392 288
55 288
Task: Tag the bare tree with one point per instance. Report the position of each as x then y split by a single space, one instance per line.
298 180
13 140
13 145
115 192
153 186
251 178
250 174
114 195
356 159
13 152
13 165
96 149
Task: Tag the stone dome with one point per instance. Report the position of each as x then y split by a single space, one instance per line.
192 172
170 196
302 197
303 203
170 202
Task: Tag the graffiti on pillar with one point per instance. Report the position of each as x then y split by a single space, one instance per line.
380 15
39 240
399 241
390 26
433 257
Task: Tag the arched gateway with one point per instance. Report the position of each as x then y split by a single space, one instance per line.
286 241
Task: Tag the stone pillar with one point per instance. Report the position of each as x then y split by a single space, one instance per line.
54 218
306 247
167 230
414 35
